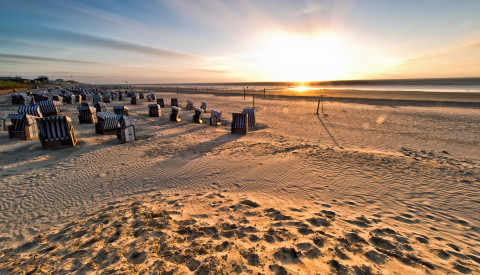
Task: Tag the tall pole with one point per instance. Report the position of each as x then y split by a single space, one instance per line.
253 97
321 97
318 105
243 93
263 92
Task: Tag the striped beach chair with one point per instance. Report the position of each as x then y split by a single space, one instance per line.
69 99
106 98
251 116
49 108
126 131
197 117
120 110
204 106
56 132
100 106
154 110
30 110
87 114
216 118
189 105
107 124
135 99
23 126
175 115
151 97
174 102
160 102
239 123
96 98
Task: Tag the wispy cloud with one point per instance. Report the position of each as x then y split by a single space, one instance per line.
43 58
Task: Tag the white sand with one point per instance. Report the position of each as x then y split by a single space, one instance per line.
413 170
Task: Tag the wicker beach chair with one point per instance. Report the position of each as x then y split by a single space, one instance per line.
151 97
97 98
78 99
197 117
189 105
239 123
120 110
87 114
175 115
106 98
56 132
107 123
216 118
49 108
251 116
126 131
160 102
174 102
204 106
154 110
141 95
23 126
135 100
69 99
100 106
30 110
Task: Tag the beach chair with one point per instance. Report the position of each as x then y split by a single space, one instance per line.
100 106
107 123
97 98
23 126
78 99
120 110
87 114
30 110
49 108
69 99
135 99
151 97
174 102
189 105
130 94
86 104
56 132
120 97
216 118
154 110
141 96
204 106
197 117
251 116
175 115
106 98
126 131
160 102
239 123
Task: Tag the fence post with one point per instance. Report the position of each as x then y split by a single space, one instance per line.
263 92
253 96
318 105
243 93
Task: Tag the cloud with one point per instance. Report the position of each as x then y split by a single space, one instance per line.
42 58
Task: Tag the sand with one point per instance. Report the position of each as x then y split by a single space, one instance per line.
359 189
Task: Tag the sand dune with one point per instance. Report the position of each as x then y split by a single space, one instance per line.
363 189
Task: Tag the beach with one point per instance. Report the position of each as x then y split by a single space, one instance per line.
369 185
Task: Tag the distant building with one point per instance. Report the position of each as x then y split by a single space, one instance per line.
16 79
42 79
58 81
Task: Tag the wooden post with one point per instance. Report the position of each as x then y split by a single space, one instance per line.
243 93
253 96
321 97
263 92
318 105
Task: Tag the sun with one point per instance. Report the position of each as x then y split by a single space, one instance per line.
303 58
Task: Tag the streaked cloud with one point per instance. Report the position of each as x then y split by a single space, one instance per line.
43 58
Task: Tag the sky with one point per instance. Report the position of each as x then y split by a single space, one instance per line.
176 41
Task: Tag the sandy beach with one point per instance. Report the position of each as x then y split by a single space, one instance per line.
387 188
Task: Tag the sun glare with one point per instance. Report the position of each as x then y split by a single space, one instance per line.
303 58
300 89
